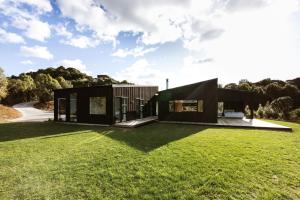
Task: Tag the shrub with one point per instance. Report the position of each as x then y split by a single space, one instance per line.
247 112
282 105
260 111
295 115
270 113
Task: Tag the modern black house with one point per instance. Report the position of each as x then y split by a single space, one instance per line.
110 104
107 104
202 102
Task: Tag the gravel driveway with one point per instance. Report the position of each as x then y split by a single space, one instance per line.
31 114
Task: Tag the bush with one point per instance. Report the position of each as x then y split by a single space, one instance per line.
270 113
247 112
260 111
295 115
282 105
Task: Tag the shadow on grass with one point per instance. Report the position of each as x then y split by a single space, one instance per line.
145 138
153 136
23 130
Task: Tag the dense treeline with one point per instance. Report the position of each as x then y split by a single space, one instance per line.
276 99
39 85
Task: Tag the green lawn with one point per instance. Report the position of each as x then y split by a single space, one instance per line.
157 161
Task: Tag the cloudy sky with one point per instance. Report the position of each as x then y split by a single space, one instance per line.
146 41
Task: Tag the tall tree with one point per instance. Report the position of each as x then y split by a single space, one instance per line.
45 85
3 84
64 83
29 87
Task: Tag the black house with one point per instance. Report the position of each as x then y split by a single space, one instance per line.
110 104
202 102
104 104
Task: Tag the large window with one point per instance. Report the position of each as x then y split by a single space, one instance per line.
186 106
73 107
220 108
97 105
61 109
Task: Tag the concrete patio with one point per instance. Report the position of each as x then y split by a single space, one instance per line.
239 123
136 122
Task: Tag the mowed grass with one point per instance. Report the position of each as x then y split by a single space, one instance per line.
157 161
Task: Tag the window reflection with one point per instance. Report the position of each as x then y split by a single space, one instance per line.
186 106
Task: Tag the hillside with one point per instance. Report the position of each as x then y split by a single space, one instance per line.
7 113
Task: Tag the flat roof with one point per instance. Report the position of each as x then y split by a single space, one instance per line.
129 85
111 85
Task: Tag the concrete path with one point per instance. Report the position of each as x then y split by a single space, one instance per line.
240 123
31 114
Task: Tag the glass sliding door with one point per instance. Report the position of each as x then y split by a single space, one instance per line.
220 109
73 107
124 108
118 111
61 109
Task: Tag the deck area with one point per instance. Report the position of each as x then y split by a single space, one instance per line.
239 123
136 122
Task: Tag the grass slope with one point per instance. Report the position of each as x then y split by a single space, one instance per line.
157 161
7 113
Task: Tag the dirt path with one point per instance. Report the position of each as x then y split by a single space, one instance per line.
31 114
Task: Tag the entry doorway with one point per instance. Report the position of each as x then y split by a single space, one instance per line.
139 108
220 109
62 109
120 108
73 107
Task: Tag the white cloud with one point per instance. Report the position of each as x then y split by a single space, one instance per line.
141 72
61 30
26 62
8 37
112 17
136 52
36 51
192 21
81 41
28 20
33 28
76 63
42 5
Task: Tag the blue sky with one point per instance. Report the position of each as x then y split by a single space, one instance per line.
147 41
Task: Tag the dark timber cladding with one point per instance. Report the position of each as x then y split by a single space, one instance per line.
83 104
134 96
194 103
104 104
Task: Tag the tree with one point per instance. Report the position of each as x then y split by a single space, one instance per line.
64 83
244 86
3 84
231 86
274 90
264 82
283 105
29 87
243 81
45 85
290 90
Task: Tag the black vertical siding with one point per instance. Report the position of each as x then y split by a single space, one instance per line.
83 95
206 91
110 92
133 93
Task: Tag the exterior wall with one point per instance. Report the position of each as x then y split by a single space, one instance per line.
133 93
206 91
236 99
83 95
110 92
